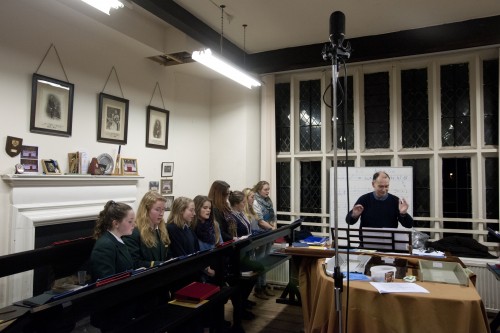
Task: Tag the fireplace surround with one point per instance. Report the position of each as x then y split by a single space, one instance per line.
40 200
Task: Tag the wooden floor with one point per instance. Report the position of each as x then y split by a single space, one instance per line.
271 317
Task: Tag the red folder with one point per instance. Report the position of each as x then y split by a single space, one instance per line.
196 292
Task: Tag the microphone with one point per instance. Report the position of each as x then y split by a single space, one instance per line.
337 28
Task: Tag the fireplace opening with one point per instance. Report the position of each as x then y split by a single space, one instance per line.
43 277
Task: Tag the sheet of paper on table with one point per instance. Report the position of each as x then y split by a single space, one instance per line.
398 287
420 252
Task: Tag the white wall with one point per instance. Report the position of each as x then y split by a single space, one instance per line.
214 125
235 131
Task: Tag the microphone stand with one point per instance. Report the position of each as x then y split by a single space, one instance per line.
336 52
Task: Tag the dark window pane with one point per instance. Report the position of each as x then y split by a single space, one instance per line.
455 105
311 228
283 185
341 162
377 104
491 174
282 116
415 108
310 187
345 114
421 189
310 115
490 95
375 163
457 192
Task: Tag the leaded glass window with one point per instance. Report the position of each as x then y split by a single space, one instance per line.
345 110
490 101
491 175
283 186
377 163
342 162
310 186
310 115
414 108
282 115
421 189
455 105
447 183
457 192
377 104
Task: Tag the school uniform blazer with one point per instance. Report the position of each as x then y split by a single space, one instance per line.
109 257
183 240
142 255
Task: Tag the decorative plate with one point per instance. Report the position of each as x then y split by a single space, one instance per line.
107 160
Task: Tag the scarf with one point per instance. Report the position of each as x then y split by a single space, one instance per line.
266 206
243 222
205 231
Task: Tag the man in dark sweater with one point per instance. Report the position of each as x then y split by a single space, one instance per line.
380 209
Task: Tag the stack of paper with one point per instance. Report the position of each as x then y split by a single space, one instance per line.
397 287
422 252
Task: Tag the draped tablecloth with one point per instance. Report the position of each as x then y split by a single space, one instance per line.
447 308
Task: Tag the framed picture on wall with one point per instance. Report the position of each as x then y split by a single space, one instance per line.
169 201
167 169
51 106
154 185
112 120
166 186
157 127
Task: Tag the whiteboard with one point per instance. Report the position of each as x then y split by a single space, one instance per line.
360 182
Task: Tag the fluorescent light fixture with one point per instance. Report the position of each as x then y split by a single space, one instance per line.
221 66
104 5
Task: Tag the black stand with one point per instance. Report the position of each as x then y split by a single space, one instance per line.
336 52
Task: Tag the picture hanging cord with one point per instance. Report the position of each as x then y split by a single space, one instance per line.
58 58
154 90
117 79
244 44
222 26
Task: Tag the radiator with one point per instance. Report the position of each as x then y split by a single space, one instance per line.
487 285
278 275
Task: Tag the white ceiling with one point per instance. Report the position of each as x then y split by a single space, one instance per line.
277 24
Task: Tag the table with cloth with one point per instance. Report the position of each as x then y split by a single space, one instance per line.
446 308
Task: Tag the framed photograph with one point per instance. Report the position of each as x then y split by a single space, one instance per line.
154 185
51 167
29 165
129 166
169 201
167 169
73 163
29 152
51 106
166 186
112 120
157 127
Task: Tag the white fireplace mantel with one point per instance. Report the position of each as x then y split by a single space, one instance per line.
37 200
27 180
